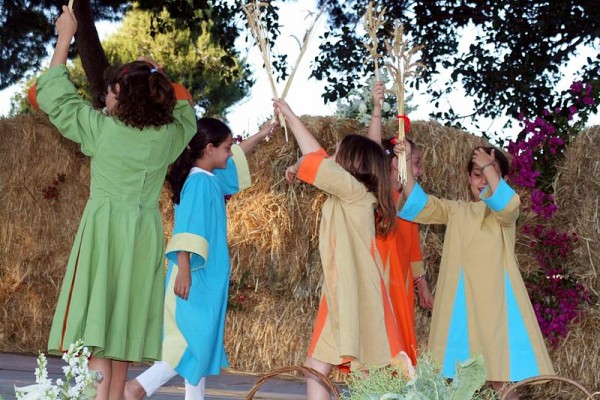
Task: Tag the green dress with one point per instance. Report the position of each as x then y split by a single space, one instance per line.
112 292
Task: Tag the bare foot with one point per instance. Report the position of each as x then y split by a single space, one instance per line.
133 390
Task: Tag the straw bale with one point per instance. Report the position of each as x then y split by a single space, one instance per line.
273 237
35 233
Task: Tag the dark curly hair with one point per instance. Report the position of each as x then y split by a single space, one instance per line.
366 161
145 96
209 131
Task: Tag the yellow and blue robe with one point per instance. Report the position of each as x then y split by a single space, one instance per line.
481 303
194 329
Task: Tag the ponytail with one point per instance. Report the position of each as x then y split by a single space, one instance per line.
209 131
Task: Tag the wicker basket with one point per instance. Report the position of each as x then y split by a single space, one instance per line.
543 379
265 377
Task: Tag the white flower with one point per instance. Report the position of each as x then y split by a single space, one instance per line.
386 106
362 107
79 383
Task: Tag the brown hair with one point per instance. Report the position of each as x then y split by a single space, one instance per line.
209 131
366 161
145 96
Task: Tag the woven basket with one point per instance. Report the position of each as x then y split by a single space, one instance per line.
265 377
543 379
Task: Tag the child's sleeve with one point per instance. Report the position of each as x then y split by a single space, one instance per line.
235 177
324 173
504 203
74 117
192 217
416 258
425 209
185 120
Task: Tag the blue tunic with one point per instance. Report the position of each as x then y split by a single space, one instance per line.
194 328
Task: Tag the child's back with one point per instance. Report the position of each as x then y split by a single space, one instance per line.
112 291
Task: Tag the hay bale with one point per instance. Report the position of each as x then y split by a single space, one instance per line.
36 233
273 236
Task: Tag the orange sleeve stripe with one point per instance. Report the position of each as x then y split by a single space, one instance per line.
32 97
310 166
181 93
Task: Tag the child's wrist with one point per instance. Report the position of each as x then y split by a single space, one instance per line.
484 166
419 279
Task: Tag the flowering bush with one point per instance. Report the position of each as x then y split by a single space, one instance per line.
359 103
79 382
556 297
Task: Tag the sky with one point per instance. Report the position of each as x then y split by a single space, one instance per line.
304 96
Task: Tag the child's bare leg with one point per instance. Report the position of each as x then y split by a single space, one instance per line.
499 386
102 365
117 379
315 390
134 390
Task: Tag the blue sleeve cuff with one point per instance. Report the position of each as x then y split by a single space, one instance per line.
414 204
500 198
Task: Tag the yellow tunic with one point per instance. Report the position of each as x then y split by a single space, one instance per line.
355 321
481 304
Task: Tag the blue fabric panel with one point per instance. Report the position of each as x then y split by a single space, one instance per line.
500 198
414 204
523 362
457 345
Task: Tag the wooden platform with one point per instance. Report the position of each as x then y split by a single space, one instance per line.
18 370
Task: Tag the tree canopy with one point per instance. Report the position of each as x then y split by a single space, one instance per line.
195 61
511 67
27 27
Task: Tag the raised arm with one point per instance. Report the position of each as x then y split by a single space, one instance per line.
66 26
403 149
375 124
265 131
307 142
486 162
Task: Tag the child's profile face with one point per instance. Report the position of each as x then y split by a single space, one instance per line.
222 152
415 160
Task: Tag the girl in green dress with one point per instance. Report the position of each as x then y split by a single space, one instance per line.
112 293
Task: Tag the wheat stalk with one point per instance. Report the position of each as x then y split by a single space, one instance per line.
372 23
305 41
401 67
70 5
259 32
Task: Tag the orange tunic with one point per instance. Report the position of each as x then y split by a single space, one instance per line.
355 321
400 253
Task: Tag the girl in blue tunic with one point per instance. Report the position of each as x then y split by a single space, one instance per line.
197 281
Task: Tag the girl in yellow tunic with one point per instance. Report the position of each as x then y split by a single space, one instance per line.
354 323
481 305
112 292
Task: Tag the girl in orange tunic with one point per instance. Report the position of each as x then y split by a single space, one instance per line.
400 250
355 322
